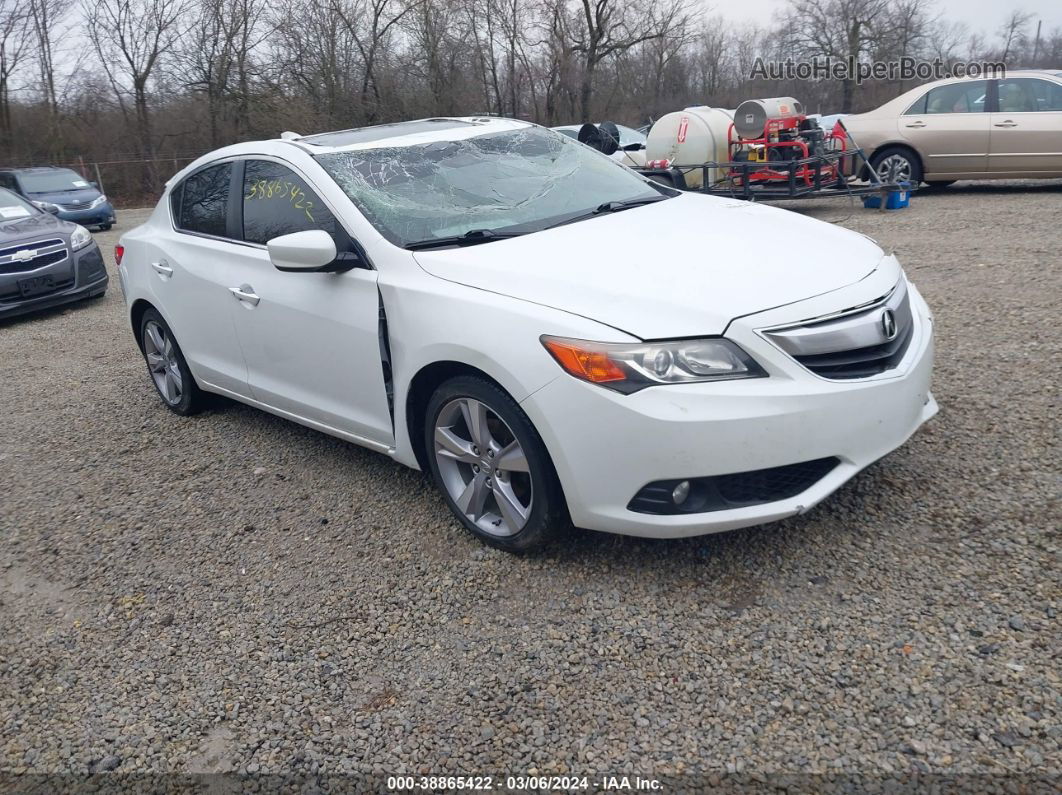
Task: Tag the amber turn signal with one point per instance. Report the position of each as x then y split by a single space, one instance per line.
587 363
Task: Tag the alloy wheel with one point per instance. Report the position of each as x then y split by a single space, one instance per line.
483 467
895 168
162 362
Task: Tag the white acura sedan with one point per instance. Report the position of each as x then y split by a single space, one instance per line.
553 336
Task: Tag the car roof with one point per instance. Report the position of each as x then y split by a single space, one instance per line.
36 169
406 133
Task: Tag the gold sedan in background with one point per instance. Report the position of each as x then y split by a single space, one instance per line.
967 128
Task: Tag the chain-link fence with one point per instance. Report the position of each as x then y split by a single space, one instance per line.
128 181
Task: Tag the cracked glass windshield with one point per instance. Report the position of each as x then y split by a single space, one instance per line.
483 186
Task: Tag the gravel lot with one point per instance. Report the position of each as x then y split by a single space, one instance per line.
233 592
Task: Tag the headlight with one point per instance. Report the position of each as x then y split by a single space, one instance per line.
97 201
80 238
628 368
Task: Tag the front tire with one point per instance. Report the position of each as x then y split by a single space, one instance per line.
897 164
167 366
491 466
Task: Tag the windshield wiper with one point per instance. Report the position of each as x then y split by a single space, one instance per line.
609 207
469 238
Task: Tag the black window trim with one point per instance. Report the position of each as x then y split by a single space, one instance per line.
180 186
236 213
234 210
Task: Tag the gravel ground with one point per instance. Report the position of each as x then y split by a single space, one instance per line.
233 592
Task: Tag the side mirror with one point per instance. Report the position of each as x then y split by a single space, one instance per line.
312 250
635 147
94 184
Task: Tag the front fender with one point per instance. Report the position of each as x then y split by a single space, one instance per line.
431 320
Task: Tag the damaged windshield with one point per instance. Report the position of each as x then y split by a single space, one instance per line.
484 187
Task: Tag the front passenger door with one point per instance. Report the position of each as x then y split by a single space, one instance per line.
310 340
1026 135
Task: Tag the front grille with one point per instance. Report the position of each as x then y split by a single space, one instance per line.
84 206
738 490
42 253
858 343
859 362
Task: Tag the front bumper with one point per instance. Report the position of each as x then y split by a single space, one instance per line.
82 274
607 446
97 216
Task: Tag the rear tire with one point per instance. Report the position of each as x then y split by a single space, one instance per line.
492 467
897 164
167 366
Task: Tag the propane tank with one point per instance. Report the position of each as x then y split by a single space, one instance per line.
691 137
751 116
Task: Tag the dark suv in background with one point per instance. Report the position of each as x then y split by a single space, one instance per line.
44 261
78 199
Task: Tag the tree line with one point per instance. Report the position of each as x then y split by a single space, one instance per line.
142 86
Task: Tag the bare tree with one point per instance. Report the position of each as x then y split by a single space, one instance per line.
838 29
14 39
603 28
370 24
217 59
130 37
1013 33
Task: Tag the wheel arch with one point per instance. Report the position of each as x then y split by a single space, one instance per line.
136 316
421 387
899 145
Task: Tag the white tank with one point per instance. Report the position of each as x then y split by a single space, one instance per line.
751 115
691 137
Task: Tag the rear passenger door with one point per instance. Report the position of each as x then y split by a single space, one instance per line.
190 274
1026 131
311 340
948 126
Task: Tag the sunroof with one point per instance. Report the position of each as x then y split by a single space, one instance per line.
380 131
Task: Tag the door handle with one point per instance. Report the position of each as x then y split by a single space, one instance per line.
162 268
1007 123
246 294
917 124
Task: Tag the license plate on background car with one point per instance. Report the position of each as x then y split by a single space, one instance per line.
35 285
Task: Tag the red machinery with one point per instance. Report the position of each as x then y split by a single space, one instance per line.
771 151
779 143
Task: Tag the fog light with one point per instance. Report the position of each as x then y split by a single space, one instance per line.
680 492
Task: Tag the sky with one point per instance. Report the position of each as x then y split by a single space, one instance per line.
983 15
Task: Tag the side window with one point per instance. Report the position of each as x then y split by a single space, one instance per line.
1029 95
200 203
919 107
965 97
276 201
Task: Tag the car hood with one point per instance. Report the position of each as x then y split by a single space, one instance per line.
33 227
82 196
678 268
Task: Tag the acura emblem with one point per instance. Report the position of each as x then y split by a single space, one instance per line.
888 324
